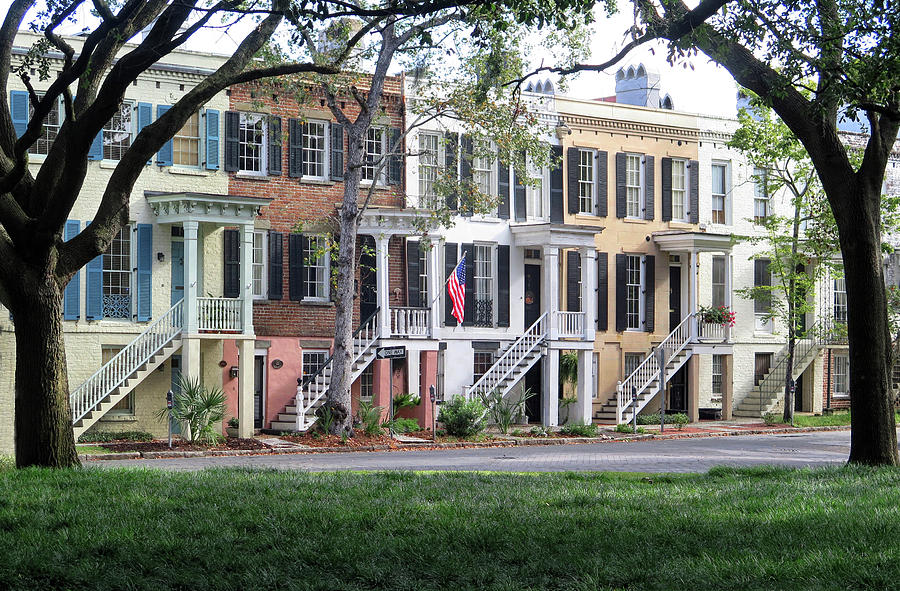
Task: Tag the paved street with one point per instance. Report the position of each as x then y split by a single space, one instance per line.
679 455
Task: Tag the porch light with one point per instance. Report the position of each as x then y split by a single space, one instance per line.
233 372
160 256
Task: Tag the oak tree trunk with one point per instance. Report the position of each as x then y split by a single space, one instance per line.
43 421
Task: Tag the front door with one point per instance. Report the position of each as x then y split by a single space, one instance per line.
674 297
532 294
259 383
177 271
368 288
533 381
677 387
798 394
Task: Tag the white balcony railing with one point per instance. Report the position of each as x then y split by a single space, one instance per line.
711 331
410 322
570 324
219 314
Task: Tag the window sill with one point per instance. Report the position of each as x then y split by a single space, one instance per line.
758 334
586 216
635 220
251 176
378 186
109 164
123 418
322 303
321 182
36 158
681 224
187 171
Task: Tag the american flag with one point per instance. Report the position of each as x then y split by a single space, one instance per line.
456 287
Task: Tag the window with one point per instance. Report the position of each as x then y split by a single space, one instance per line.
52 123
117 133
840 299
483 167
484 285
762 362
762 277
317 257
534 193
483 362
313 361
717 361
586 181
760 195
718 281
252 148
259 265
186 143
117 276
719 191
314 149
423 278
632 361
634 303
679 191
375 151
429 157
841 374
633 186
367 383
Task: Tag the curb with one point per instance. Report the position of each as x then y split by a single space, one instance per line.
511 442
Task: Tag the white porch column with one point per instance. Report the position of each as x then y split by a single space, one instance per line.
382 285
587 383
550 398
550 296
191 272
246 350
692 294
435 287
589 291
247 280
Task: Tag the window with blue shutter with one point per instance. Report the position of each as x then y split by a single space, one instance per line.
164 156
212 139
96 150
93 308
72 293
18 109
144 272
144 118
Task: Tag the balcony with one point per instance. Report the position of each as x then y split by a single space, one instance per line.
711 332
411 322
219 315
570 325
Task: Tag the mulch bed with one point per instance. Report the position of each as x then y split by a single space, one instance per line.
180 445
359 439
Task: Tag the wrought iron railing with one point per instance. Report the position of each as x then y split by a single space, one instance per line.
484 313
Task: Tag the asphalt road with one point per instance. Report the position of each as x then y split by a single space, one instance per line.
677 455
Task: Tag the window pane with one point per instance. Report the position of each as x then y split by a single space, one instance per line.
483 168
678 190
718 281
252 137
314 150
117 276
186 143
50 130
633 291
259 265
117 133
374 153
317 268
586 182
484 285
428 165
633 186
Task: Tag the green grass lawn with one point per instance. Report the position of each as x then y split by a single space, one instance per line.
246 530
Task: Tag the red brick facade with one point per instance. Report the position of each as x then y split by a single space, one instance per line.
837 402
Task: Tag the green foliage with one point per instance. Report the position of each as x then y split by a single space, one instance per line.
589 430
326 416
504 410
539 431
107 436
233 422
369 417
462 418
568 368
197 408
628 428
770 418
517 433
678 419
406 400
403 425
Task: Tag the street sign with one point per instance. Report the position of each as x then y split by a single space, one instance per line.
390 353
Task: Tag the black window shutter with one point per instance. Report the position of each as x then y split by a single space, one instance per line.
503 190
275 146
232 288
602 291
395 160
232 140
519 189
469 252
503 285
296 264
557 208
412 274
450 261
694 179
666 164
276 265
295 149
573 274
336 165
450 166
465 172
602 191
573 163
621 319
649 292
620 189
649 188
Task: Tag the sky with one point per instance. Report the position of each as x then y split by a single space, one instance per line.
698 86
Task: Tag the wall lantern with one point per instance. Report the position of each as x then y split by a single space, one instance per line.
233 372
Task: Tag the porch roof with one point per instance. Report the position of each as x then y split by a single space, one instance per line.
388 221
177 207
683 241
558 235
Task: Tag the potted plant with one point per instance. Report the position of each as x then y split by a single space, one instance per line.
232 428
717 315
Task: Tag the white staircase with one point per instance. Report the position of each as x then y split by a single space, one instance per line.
644 380
119 376
515 362
301 415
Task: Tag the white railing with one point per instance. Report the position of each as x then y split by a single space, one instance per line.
648 371
127 361
219 314
711 331
314 388
570 324
410 322
507 363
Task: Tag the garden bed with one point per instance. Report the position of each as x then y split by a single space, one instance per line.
181 445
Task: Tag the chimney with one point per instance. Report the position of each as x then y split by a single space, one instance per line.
639 86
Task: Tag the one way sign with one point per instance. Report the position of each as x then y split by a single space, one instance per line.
390 353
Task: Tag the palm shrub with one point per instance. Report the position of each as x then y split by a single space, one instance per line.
197 408
370 418
504 411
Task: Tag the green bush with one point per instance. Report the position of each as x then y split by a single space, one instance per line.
198 408
770 418
369 417
406 400
402 425
504 411
678 419
462 418
589 430
325 414
107 436
627 428
539 431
